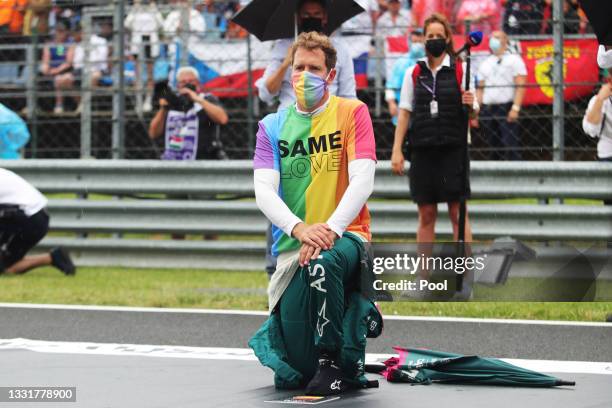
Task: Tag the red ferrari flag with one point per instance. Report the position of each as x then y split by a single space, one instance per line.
580 71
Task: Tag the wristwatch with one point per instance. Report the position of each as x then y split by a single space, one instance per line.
516 107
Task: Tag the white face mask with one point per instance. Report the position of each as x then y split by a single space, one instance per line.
604 58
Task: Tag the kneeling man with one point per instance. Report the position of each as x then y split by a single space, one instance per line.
314 171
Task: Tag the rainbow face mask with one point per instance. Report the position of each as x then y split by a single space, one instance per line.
309 88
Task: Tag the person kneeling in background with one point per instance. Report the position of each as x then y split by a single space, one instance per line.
23 223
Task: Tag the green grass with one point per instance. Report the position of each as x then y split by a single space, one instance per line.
594 311
138 287
238 290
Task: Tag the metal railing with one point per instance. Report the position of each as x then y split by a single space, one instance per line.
389 220
542 180
145 210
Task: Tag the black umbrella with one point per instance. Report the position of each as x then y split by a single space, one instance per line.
599 13
275 19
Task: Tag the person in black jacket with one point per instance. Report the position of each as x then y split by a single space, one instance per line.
432 103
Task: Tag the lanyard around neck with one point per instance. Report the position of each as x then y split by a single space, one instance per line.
432 91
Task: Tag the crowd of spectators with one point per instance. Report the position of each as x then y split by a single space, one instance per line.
515 17
152 35
57 25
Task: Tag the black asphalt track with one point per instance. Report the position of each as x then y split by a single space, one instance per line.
138 381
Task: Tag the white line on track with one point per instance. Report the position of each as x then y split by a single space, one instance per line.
263 313
221 353
131 309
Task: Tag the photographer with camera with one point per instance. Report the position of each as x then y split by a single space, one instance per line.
189 121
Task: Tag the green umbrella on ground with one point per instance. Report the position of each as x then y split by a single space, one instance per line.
421 366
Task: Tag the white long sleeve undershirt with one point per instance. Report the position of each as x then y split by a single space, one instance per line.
361 183
269 202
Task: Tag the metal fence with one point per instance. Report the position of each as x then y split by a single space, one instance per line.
109 119
121 204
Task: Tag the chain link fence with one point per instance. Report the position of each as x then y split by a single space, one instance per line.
102 107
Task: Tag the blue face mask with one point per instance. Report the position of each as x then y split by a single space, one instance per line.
417 50
494 44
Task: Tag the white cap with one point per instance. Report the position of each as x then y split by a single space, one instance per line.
604 58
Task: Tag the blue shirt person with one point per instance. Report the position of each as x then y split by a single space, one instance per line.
394 82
